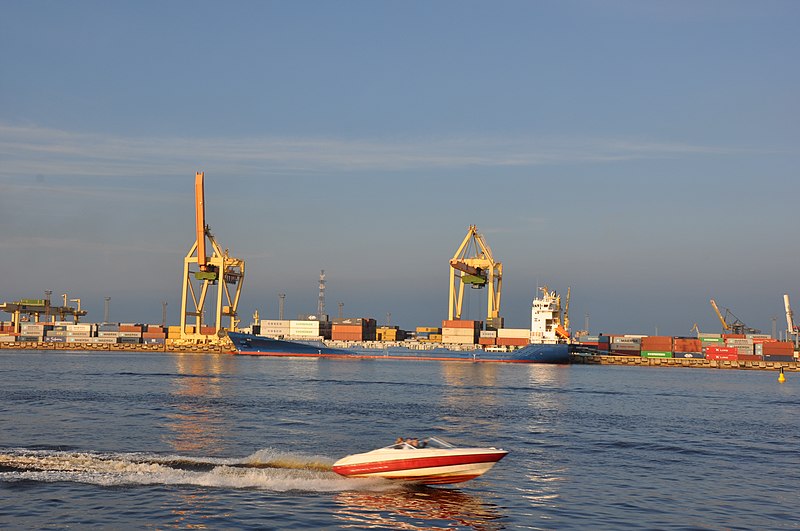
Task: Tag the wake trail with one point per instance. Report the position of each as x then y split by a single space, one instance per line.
266 469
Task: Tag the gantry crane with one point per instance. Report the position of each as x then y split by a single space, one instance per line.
477 268
202 274
736 326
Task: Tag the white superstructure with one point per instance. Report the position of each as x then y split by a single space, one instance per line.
546 318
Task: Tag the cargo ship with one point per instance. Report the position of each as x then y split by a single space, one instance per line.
249 344
545 342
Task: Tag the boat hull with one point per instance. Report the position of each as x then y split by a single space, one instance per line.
429 468
248 344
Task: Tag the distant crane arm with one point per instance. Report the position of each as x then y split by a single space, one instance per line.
725 325
789 316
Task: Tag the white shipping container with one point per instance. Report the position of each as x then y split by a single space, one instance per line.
303 324
273 332
78 333
305 333
626 341
7 339
459 340
634 347
102 340
78 339
129 334
736 342
515 333
103 333
488 333
305 327
467 332
266 323
79 328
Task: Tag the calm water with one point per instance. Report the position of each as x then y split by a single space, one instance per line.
221 442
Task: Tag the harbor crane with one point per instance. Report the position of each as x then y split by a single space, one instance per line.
203 274
791 328
731 323
473 264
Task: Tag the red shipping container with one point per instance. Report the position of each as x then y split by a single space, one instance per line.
512 341
758 340
721 350
688 345
726 356
734 336
486 341
778 347
343 328
347 336
657 343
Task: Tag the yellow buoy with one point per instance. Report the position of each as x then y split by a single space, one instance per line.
781 377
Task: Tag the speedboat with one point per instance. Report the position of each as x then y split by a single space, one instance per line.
430 461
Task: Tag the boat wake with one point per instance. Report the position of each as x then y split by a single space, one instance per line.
266 469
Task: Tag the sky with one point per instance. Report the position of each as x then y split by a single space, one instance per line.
643 154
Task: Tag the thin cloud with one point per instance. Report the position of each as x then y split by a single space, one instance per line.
32 150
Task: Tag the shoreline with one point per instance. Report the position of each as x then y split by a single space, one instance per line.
577 359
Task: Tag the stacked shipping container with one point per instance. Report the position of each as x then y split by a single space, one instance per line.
460 332
354 329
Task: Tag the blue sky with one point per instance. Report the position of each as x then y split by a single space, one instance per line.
643 153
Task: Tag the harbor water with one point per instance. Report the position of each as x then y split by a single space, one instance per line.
154 440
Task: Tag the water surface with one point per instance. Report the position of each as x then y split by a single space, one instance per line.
122 440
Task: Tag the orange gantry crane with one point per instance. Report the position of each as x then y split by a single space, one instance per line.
473 264
220 275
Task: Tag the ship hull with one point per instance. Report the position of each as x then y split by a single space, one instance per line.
247 344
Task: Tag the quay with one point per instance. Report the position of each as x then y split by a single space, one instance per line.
181 348
698 363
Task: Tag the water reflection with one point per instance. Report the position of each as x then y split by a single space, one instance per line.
545 374
194 424
196 427
423 508
467 374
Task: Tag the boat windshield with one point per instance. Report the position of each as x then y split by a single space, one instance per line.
414 443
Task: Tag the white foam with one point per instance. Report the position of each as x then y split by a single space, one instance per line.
294 472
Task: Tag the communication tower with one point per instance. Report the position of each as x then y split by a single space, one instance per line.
321 301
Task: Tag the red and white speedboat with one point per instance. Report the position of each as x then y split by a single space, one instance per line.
430 461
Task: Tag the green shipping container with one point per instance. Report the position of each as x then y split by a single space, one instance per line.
712 340
656 354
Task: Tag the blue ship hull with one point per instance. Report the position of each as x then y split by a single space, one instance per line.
249 344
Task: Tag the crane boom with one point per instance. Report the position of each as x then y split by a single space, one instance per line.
200 219
789 316
725 325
